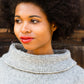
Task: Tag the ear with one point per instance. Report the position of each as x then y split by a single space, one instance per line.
53 27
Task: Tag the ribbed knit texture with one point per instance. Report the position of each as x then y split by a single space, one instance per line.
19 67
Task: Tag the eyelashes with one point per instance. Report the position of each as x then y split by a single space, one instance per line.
18 21
33 21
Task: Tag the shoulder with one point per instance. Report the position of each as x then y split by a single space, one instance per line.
78 73
3 66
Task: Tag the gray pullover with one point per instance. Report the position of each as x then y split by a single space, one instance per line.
19 67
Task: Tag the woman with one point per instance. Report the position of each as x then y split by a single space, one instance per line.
36 24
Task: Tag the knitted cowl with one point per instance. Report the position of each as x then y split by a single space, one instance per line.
19 67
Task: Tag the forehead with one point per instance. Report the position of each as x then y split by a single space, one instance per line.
28 8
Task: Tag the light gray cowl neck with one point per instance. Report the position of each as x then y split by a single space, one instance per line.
19 67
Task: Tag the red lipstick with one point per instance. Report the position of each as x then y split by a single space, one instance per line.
26 39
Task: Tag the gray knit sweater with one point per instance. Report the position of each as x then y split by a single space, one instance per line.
19 67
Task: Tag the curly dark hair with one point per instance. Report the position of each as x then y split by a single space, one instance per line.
64 13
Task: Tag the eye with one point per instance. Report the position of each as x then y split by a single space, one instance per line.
34 21
18 21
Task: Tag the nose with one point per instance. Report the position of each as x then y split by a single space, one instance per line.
25 28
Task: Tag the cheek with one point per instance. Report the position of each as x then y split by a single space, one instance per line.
16 31
43 32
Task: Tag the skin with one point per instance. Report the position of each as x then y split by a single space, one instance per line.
31 21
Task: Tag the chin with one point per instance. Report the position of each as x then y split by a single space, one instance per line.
29 47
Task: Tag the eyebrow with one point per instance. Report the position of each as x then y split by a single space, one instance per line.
29 16
34 16
16 16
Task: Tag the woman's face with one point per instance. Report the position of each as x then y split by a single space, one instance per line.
31 26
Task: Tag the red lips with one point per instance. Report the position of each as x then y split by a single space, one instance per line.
26 39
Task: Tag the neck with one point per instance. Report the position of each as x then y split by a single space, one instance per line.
46 49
